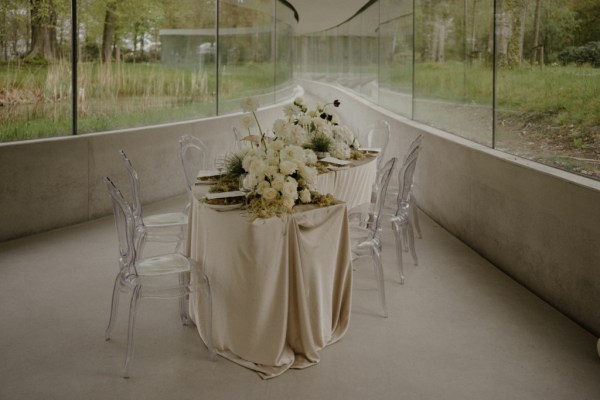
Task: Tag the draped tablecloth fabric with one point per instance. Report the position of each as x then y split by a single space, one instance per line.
281 287
352 184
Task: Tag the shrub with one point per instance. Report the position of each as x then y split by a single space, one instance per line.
587 54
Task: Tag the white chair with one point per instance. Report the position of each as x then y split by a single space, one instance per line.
365 229
402 223
164 228
164 276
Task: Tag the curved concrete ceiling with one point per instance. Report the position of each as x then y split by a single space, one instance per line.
318 15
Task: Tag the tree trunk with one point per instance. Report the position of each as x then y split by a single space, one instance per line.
536 31
108 34
43 30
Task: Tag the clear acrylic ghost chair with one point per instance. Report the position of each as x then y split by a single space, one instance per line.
240 143
414 146
194 156
378 136
163 276
402 224
365 230
166 227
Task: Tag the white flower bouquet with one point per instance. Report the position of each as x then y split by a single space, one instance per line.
280 172
278 177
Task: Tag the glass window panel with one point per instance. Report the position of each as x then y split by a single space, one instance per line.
246 30
284 38
369 52
395 56
145 62
547 104
453 80
35 69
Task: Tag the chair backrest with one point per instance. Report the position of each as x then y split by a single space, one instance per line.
384 178
415 145
125 225
136 203
405 180
378 135
193 154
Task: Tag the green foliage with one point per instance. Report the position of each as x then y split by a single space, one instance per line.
587 54
320 143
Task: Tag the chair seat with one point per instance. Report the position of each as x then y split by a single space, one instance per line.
162 265
164 220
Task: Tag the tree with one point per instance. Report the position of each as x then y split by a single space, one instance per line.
109 31
536 32
43 30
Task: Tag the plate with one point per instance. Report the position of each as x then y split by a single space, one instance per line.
225 195
207 177
336 161
226 207
370 149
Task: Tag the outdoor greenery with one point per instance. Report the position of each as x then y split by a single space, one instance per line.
545 68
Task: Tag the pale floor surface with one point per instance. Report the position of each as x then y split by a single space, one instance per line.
458 329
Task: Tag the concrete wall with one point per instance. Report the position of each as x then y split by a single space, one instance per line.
52 183
538 224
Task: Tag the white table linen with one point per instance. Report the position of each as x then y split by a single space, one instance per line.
280 293
352 184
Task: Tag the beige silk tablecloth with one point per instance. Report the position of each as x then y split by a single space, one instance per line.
280 291
353 185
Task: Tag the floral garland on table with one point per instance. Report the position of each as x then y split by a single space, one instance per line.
279 170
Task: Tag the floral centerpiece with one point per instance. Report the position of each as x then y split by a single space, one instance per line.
316 128
279 170
278 177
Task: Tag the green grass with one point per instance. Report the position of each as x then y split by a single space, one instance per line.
36 101
37 98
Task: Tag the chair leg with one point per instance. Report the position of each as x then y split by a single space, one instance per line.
411 242
113 308
414 214
398 235
209 319
380 282
133 307
184 302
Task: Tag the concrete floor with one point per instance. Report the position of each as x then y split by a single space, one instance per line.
458 329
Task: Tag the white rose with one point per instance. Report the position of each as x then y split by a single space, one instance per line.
305 196
269 193
279 127
290 189
310 157
289 110
257 167
299 131
287 167
308 174
278 182
262 186
271 171
288 202
305 120
249 182
276 145
272 157
340 150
